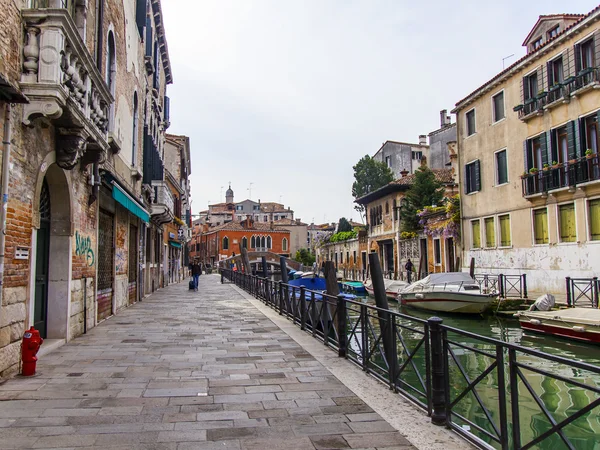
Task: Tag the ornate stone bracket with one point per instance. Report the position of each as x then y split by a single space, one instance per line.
70 146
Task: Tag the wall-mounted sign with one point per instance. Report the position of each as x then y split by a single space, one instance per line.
22 253
171 235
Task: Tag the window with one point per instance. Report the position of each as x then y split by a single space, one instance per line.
584 55
553 32
470 116
269 242
255 208
566 219
239 207
490 233
225 243
540 226
504 222
263 242
341 257
134 139
536 152
476 233
111 75
388 161
253 242
498 102
437 252
284 244
354 256
537 43
555 71
276 217
594 215
347 257
590 133
501 168
417 156
244 242
395 209
560 145
472 177
266 218
530 86
387 207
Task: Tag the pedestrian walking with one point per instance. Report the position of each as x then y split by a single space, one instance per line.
196 272
409 268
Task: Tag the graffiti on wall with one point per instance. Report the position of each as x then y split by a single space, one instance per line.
83 248
120 260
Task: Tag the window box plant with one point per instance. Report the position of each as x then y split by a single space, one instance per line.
556 164
524 175
533 170
529 101
546 167
541 95
589 154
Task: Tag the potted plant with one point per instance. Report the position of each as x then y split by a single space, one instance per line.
589 154
555 164
524 175
546 167
533 170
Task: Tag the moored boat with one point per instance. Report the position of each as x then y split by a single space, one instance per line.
355 287
582 324
451 292
392 288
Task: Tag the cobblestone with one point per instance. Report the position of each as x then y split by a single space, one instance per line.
187 370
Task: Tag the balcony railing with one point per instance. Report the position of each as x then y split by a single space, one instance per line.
63 84
586 78
580 171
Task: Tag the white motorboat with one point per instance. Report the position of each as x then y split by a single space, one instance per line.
452 292
392 288
582 324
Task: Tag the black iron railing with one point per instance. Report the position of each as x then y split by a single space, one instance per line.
582 170
489 391
507 286
583 290
584 78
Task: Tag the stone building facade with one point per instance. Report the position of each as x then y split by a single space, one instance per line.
78 215
528 152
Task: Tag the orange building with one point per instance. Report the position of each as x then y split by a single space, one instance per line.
221 242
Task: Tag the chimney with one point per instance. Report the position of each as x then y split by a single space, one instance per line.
422 139
403 172
443 118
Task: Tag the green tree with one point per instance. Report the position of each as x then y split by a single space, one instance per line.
425 191
305 257
344 225
369 175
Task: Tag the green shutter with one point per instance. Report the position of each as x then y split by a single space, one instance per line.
568 232
577 132
571 146
527 159
475 227
544 138
540 217
594 210
490 234
477 176
505 240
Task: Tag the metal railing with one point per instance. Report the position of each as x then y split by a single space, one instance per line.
570 174
507 286
582 289
486 390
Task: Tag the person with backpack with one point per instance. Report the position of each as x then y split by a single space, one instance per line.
196 272
409 268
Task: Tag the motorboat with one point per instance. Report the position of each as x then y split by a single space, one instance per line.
451 292
582 324
392 288
356 287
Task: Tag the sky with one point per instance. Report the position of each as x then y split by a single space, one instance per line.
283 97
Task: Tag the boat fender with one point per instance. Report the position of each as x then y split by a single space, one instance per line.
535 321
419 296
579 328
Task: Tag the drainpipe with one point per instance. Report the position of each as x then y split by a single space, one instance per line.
84 305
4 192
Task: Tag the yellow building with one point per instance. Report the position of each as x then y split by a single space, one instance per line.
528 153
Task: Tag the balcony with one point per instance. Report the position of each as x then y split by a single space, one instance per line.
580 171
531 108
586 79
163 203
63 84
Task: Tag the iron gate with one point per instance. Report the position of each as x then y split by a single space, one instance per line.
105 263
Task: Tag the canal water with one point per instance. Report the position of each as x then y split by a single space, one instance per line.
561 399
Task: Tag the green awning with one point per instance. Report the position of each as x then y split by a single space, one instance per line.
175 244
128 202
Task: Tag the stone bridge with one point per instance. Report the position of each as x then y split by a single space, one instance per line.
256 259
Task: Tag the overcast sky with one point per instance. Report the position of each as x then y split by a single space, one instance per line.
289 95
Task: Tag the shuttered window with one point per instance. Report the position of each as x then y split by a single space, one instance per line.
501 167
437 252
473 177
476 232
498 103
594 213
490 233
566 218
470 116
140 16
540 226
504 221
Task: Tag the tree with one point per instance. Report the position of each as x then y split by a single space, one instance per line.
344 225
369 175
425 191
305 257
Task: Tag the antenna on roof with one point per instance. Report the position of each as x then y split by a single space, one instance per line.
505 58
250 191
221 194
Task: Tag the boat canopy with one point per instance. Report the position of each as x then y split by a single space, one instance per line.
439 279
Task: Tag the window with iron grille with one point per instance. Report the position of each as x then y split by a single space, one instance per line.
105 250
132 253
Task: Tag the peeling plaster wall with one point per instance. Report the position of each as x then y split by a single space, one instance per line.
131 38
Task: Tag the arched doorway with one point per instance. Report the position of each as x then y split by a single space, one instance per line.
52 287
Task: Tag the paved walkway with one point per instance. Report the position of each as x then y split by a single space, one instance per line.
187 370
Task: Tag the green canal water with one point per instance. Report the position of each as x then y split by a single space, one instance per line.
560 398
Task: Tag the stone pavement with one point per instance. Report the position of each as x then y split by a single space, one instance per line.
187 370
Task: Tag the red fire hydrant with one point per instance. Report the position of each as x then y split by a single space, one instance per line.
29 348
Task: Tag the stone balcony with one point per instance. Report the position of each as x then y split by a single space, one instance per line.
63 85
163 204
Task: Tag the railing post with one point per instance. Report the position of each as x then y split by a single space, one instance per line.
595 292
514 397
502 287
524 284
280 298
438 372
341 325
364 334
313 319
393 363
325 320
302 308
222 274
569 299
